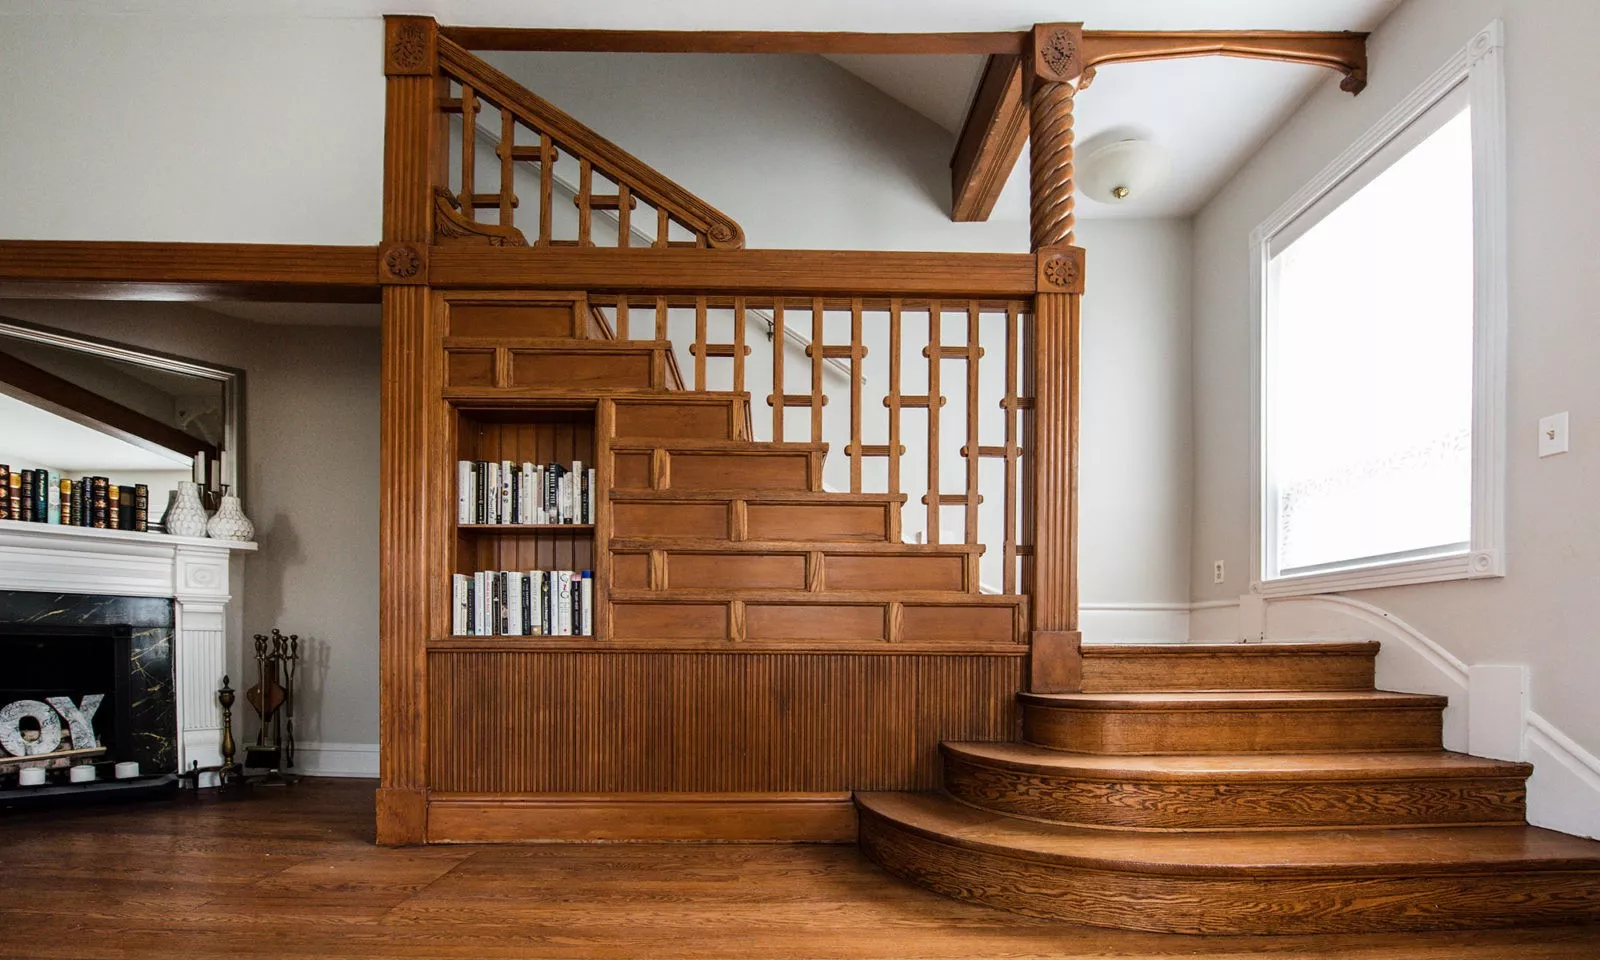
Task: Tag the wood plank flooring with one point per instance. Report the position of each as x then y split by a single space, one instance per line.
293 873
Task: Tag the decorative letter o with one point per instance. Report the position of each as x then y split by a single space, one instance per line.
11 728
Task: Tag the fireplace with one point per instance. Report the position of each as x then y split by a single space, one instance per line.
72 663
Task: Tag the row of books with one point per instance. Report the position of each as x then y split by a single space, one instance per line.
503 491
518 603
45 496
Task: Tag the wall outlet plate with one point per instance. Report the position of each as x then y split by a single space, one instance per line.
1553 438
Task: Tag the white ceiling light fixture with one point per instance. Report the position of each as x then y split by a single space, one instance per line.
1122 170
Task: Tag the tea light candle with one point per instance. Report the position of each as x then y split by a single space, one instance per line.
30 777
82 773
127 769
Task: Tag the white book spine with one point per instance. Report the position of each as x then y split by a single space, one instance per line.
529 484
458 604
564 603
540 515
588 604
491 493
505 491
513 604
480 612
594 494
464 491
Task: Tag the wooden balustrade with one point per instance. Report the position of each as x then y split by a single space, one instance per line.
919 397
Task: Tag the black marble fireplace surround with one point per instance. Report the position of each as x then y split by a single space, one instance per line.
135 661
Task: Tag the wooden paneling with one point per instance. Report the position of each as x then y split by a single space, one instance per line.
584 370
1109 668
665 518
821 521
647 818
678 621
514 320
756 722
678 418
221 271
991 139
799 272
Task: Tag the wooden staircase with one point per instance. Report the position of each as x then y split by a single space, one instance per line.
1227 789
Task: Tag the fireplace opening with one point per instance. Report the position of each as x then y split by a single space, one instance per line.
68 697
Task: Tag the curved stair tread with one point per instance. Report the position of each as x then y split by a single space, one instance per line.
1234 700
755 495
1417 852
1204 768
1280 649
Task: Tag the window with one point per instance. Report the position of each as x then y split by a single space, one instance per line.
1380 342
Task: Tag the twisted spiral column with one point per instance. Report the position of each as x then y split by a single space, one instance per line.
1050 140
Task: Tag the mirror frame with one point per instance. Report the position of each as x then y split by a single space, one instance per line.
230 379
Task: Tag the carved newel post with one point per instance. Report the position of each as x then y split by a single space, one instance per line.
1055 71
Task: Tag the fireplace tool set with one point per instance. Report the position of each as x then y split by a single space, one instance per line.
277 665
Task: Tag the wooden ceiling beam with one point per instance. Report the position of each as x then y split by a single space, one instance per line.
164 271
1345 52
731 41
991 139
997 124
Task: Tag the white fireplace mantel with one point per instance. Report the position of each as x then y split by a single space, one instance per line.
193 571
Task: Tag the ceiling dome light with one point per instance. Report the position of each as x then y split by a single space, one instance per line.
1123 170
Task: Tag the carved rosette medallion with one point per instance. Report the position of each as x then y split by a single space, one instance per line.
1058 53
402 263
1060 272
410 48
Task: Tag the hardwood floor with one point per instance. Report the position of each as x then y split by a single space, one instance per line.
294 873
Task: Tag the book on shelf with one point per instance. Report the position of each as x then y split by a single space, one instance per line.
523 603
45 496
505 492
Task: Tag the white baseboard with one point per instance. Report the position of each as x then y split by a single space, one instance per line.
1134 622
336 759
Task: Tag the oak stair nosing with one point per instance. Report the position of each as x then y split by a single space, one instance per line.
1183 650
832 548
1233 701
693 445
843 598
758 496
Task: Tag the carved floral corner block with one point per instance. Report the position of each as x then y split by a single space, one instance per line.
1060 270
402 263
409 46
1058 51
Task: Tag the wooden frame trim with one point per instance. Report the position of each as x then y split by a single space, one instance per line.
641 817
820 272
235 271
991 139
1343 51
730 41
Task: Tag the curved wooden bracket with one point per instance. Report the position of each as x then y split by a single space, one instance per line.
449 226
1345 52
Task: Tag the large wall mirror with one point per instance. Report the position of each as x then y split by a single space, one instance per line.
83 407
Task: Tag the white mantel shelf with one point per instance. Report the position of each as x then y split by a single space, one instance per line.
192 571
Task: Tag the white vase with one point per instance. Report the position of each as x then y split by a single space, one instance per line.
186 515
229 522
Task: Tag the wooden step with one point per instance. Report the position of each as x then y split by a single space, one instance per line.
792 565
1111 668
477 366
1236 791
1237 722
682 416
756 515
887 616
703 465
1277 882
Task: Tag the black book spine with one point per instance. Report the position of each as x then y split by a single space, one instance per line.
5 491
41 496
99 514
141 507
26 513
125 508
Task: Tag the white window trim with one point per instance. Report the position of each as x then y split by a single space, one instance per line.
1478 65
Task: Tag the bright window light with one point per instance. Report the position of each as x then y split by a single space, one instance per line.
1369 369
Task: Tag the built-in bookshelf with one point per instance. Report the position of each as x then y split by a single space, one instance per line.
526 497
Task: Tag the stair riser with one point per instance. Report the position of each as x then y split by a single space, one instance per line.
789 571
754 469
1234 905
712 620
668 419
554 368
1234 804
1177 671
823 522
1269 730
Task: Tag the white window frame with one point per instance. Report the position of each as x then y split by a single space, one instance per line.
1479 68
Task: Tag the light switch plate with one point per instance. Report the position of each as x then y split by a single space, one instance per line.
1553 435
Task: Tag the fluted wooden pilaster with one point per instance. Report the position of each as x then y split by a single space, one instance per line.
407 398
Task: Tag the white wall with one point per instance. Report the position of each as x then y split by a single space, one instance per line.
310 475
192 128
1544 612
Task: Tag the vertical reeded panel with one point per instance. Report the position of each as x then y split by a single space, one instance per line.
615 722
